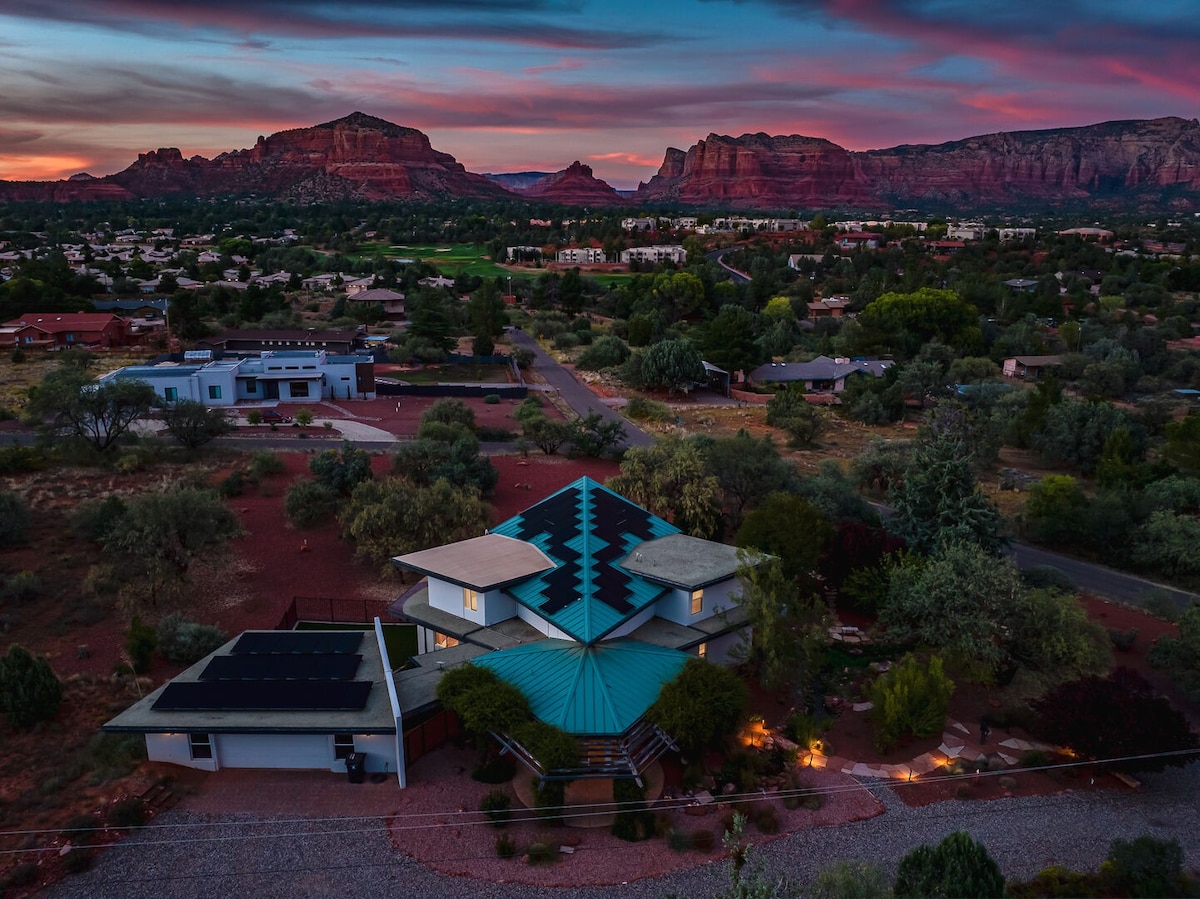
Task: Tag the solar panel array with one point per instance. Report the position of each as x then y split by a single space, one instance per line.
276 671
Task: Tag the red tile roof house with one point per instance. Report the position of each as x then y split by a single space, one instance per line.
63 330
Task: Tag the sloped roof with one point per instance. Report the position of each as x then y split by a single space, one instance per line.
600 690
820 369
482 563
586 530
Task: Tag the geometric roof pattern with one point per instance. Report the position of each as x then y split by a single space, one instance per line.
597 690
586 530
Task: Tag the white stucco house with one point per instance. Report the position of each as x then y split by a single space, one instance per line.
285 375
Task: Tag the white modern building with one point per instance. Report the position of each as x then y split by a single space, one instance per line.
666 253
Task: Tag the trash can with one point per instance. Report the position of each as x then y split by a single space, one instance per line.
356 767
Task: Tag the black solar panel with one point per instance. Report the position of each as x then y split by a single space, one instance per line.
264 696
272 666
298 642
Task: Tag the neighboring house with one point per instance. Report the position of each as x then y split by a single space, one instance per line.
1030 367
581 256
644 224
587 603
358 285
391 301
277 699
860 240
667 253
821 375
285 375
832 307
256 341
60 331
1025 285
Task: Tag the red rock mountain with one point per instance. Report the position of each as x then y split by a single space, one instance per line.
573 186
356 157
1112 163
1128 164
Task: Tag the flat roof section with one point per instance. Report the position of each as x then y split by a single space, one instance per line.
482 563
683 561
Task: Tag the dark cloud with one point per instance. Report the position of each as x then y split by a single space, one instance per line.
528 23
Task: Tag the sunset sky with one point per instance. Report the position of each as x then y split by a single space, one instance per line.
85 85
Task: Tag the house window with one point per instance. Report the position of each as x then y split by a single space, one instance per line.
201 746
702 650
170 394
69 337
252 385
697 602
470 599
343 745
214 391
443 641
299 388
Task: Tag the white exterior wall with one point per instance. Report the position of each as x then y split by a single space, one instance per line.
176 749
340 381
719 650
636 621
541 624
220 378
380 750
494 605
677 605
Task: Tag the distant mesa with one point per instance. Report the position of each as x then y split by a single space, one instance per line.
1127 164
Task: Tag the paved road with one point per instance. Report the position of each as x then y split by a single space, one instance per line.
576 395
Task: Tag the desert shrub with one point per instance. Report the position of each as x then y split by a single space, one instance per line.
343 469
529 409
765 818
140 642
679 840
609 351
1035 758
1144 866
492 399
234 484
957 866
21 460
498 769
505 846
24 586
30 691
304 417
497 805
451 412
254 417
1048 577
803 730
850 880
108 757
80 831
1056 882
183 642
448 433
128 813
309 504
21 875
633 823
643 409
265 464
548 799
811 801
700 706
14 520
542 853
483 702
1122 641
911 699
95 520
491 434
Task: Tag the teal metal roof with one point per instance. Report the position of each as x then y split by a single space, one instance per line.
587 690
586 530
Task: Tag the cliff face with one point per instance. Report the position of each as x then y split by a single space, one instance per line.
356 157
1111 163
573 186
1125 165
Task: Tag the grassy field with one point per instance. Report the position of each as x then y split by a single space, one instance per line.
456 374
17 377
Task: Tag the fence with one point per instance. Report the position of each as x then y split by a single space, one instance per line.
334 611
504 391
430 734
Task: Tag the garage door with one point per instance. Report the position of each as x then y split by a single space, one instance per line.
274 750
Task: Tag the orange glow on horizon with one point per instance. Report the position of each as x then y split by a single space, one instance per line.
40 168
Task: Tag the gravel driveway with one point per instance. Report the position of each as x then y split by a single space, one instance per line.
355 858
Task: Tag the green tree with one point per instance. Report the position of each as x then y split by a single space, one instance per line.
547 434
679 294
701 706
671 479
1169 543
593 436
194 424
957 866
450 411
910 700
789 410
938 501
68 402
1180 655
787 635
1053 510
1145 866
850 880
309 504
425 461
341 470
904 322
729 340
484 703
748 471
608 351
673 364
793 530
163 532
486 311
1183 444
1074 433
392 517
29 689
